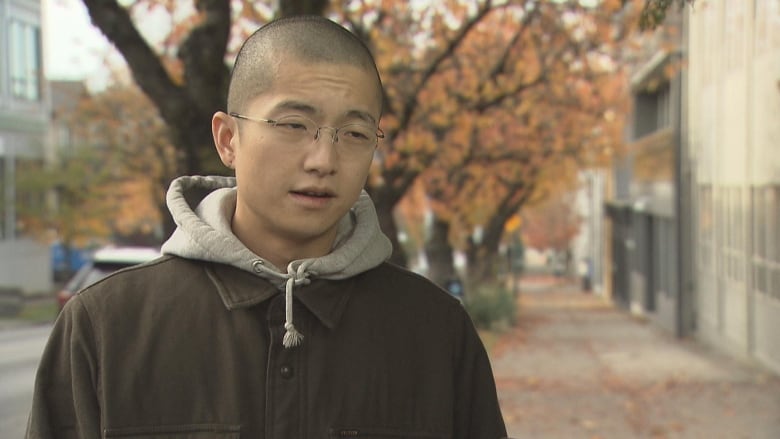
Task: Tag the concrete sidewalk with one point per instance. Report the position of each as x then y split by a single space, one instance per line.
576 367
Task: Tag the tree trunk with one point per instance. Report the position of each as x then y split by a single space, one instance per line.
390 229
483 262
302 7
385 201
440 253
186 107
483 258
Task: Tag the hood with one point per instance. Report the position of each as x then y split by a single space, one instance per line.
202 208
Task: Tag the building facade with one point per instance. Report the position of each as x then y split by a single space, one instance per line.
588 248
645 237
732 141
694 240
24 114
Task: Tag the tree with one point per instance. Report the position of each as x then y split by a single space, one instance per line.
108 185
187 79
416 46
412 46
561 99
552 224
81 205
134 143
654 12
443 68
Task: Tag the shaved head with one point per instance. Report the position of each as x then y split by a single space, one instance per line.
308 39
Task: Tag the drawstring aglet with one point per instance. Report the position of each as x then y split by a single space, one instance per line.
291 337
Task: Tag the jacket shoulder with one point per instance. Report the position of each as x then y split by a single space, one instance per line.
139 282
402 281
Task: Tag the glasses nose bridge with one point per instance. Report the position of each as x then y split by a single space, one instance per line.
333 138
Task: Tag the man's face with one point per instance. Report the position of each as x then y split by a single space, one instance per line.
295 194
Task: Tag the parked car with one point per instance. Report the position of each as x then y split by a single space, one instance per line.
104 262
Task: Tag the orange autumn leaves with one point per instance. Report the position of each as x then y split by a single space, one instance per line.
107 183
527 88
481 96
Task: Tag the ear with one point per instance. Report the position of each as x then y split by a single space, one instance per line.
225 131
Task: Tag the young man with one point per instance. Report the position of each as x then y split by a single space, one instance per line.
273 313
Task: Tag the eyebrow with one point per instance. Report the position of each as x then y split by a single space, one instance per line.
361 115
297 106
310 110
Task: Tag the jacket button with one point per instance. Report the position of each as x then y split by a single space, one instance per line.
286 372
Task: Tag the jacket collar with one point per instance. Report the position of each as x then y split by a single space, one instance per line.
326 299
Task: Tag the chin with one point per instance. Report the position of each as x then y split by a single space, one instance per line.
307 235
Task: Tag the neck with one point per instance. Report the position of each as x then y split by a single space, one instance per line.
279 249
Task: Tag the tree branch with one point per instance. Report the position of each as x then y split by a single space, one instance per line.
202 53
148 72
410 104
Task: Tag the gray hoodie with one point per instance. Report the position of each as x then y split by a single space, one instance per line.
203 232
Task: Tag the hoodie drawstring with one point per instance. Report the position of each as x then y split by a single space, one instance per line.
294 277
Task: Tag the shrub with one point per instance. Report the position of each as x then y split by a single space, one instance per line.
491 306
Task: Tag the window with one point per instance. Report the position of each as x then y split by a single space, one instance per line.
760 272
771 206
664 107
732 257
30 199
720 236
665 261
705 229
652 111
766 240
736 234
25 60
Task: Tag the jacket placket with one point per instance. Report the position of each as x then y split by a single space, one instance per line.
284 378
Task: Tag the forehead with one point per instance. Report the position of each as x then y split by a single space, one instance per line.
321 87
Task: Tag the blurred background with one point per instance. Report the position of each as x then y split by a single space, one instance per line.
627 150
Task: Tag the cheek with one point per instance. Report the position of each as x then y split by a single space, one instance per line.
260 160
358 173
357 165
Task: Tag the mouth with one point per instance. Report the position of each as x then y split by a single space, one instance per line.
314 193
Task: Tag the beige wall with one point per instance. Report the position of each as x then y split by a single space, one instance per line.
733 97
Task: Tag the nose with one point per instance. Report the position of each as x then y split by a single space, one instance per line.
322 157
333 135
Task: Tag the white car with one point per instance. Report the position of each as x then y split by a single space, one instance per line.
104 262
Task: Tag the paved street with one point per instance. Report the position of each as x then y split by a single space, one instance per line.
20 350
575 367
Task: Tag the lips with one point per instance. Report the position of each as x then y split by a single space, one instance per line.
314 192
313 198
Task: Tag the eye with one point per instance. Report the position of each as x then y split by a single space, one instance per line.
293 124
355 133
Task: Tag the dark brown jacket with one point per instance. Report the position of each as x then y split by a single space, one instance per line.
180 348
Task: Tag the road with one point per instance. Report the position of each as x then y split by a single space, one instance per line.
20 351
